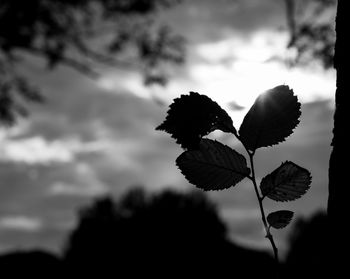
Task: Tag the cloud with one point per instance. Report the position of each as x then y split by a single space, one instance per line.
86 184
94 137
34 150
60 188
235 107
211 20
259 47
249 73
51 239
22 223
122 149
240 214
82 143
125 82
237 69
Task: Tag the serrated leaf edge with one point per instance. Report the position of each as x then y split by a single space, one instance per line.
308 187
275 212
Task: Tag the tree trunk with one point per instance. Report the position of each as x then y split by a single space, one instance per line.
339 170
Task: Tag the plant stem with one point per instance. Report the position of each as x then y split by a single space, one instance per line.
260 199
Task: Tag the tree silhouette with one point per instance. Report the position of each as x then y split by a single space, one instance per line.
338 179
311 29
337 209
33 264
81 34
309 249
159 235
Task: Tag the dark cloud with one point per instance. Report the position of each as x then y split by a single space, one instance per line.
235 107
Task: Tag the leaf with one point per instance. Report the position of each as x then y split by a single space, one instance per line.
288 182
214 166
271 119
194 116
280 219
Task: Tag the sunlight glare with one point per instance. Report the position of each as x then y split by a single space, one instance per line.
235 70
248 72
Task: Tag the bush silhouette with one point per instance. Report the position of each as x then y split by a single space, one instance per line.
309 253
32 264
157 235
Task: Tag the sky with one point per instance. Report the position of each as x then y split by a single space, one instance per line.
97 137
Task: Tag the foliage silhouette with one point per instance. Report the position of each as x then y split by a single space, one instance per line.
271 119
168 222
214 166
338 198
309 254
311 28
81 34
286 183
33 264
157 235
279 219
188 126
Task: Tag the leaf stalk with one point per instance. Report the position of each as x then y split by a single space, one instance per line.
261 207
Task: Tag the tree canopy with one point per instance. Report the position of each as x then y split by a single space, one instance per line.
157 234
81 34
311 28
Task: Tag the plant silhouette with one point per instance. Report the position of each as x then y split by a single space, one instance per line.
310 249
166 234
33 264
211 165
157 235
337 208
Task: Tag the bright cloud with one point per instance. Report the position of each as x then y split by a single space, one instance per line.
23 223
236 69
37 150
61 188
259 47
250 70
119 81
